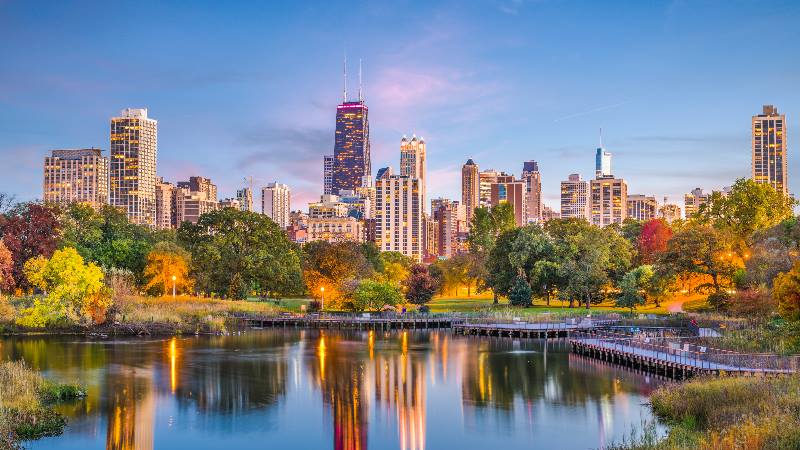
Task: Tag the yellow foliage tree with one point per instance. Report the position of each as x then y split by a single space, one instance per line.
165 261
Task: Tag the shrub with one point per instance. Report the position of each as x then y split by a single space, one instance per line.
752 302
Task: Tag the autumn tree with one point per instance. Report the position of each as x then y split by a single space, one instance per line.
786 293
331 266
168 266
699 250
653 240
6 269
73 291
420 286
395 267
29 230
371 295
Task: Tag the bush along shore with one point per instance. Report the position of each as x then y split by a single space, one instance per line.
736 413
26 404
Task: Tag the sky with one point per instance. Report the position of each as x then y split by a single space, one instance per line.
250 88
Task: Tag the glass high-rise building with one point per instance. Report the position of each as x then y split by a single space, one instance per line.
132 165
769 149
76 175
351 160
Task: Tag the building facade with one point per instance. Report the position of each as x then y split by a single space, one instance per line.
508 190
602 163
669 211
470 189
533 191
327 207
276 203
769 156
642 207
485 180
694 200
245 197
76 176
202 185
165 207
609 200
132 165
351 151
190 205
399 218
335 229
575 198
412 161
327 174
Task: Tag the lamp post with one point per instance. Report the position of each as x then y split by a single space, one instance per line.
322 305
173 285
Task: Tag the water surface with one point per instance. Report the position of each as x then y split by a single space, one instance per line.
311 389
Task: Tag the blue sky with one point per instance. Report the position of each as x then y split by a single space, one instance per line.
250 88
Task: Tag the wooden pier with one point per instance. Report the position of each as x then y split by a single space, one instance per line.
677 362
352 322
534 330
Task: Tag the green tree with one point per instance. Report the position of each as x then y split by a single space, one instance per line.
485 228
420 286
747 208
396 267
698 250
520 292
786 293
635 286
74 291
536 254
331 266
371 295
501 272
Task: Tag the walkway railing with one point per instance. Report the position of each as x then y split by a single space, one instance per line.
673 350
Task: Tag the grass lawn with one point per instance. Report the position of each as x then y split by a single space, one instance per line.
285 304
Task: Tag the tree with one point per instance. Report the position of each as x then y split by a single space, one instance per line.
653 240
535 254
237 252
6 269
745 209
501 272
371 295
29 230
774 250
635 286
331 266
485 228
74 291
165 261
699 250
520 292
395 267
786 293
420 286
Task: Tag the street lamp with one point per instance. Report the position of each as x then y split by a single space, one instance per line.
173 285
322 305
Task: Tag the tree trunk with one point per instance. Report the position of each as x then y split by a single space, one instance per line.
494 295
588 300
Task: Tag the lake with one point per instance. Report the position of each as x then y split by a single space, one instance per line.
313 389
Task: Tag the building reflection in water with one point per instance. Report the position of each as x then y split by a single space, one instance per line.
130 410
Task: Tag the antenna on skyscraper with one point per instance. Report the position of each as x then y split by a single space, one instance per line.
360 96
601 137
344 92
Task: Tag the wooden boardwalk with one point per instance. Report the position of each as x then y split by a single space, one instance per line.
352 322
529 329
678 362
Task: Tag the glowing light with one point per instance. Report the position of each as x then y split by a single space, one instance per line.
173 357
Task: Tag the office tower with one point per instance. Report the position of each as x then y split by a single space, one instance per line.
769 149
669 211
351 158
485 180
327 174
609 200
431 238
449 219
399 217
549 213
575 198
533 191
245 197
165 208
200 185
508 190
275 203
412 161
132 171
76 175
602 164
470 189
335 229
230 203
328 206
694 200
642 207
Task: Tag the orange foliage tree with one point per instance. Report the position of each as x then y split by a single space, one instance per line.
165 261
653 240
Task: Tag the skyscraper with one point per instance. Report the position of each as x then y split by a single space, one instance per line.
399 217
575 199
245 197
769 149
609 200
694 200
132 172
508 190
327 174
485 180
276 203
602 163
470 188
165 207
79 175
533 191
412 161
351 158
202 185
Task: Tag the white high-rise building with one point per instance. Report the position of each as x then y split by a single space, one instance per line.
275 203
165 206
327 174
602 164
132 166
412 161
575 198
399 214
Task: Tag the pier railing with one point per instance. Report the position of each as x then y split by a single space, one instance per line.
676 351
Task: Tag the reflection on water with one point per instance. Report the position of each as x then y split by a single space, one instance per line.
340 390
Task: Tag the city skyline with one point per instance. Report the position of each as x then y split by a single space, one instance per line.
499 112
